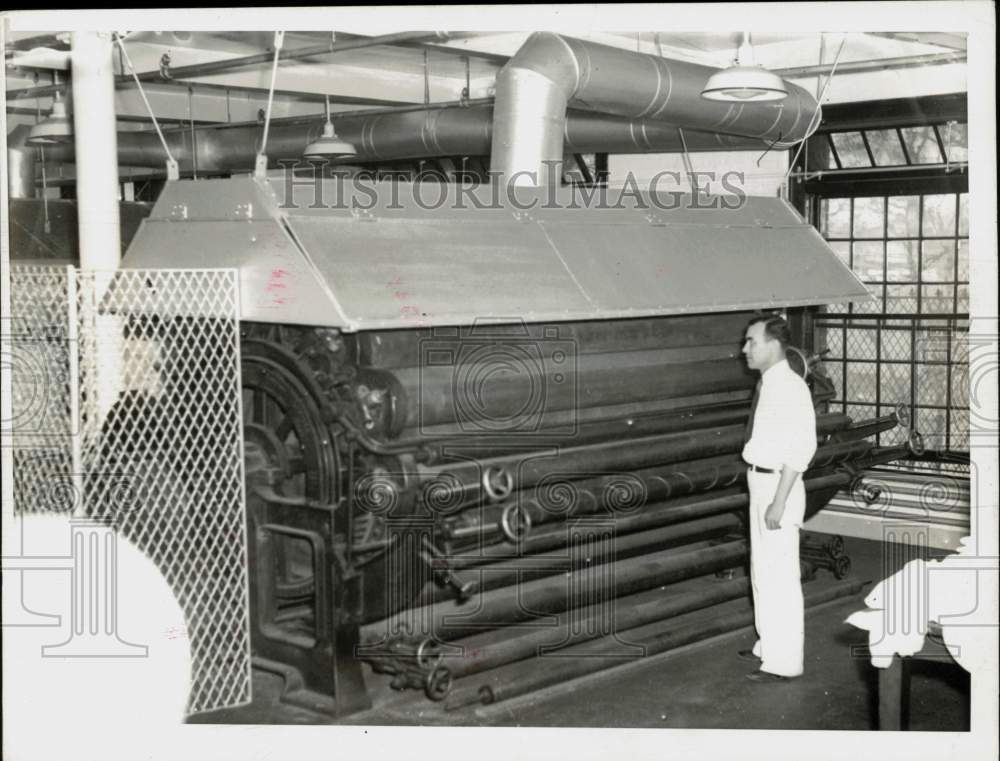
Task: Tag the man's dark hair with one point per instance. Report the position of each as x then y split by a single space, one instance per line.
775 327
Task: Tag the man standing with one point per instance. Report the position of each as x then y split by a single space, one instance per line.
782 442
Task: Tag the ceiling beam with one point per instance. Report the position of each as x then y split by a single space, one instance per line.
941 39
858 67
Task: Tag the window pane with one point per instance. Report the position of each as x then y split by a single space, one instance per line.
895 383
939 215
938 263
963 260
959 386
851 149
832 339
893 437
869 217
901 260
868 260
872 305
835 217
861 343
932 385
963 214
904 216
885 147
859 412
933 345
937 299
956 140
896 345
959 440
922 145
931 423
835 372
962 304
901 299
861 381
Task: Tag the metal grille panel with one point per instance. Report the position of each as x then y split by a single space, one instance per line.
45 425
144 395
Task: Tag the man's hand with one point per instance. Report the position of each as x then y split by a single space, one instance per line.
772 517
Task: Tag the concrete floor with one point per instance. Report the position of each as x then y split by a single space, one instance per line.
697 686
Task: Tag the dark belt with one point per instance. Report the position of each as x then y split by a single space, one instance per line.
758 469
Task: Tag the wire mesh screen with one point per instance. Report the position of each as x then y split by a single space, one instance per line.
152 361
45 427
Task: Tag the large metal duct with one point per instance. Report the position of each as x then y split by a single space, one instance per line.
381 137
551 73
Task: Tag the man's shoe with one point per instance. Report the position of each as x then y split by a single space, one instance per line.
747 655
767 676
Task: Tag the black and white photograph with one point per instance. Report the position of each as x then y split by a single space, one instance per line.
549 381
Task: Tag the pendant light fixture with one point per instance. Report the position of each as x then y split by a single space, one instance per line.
745 81
55 128
328 145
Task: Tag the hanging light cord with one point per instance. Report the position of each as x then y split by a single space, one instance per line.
278 40
818 116
172 169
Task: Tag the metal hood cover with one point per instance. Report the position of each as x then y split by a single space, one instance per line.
390 256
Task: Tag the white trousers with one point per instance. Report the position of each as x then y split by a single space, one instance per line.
776 577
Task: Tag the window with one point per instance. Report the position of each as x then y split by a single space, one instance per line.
932 144
907 344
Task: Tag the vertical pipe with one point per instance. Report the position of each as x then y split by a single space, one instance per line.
96 143
20 164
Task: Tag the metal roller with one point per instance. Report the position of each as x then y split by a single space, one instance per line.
558 496
541 596
542 564
388 349
527 676
495 385
491 649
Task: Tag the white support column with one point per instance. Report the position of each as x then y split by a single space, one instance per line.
96 151
95 135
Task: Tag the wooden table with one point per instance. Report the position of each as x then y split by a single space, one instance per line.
892 680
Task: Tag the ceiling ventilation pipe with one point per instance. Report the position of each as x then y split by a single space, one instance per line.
381 137
551 72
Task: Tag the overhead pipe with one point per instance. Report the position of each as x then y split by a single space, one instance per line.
886 64
165 73
551 73
216 67
401 134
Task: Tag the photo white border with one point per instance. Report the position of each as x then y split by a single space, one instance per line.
977 19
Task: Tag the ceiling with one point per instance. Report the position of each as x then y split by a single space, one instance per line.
438 71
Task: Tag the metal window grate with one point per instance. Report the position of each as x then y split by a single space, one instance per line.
140 375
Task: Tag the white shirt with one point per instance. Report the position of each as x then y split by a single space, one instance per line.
784 424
